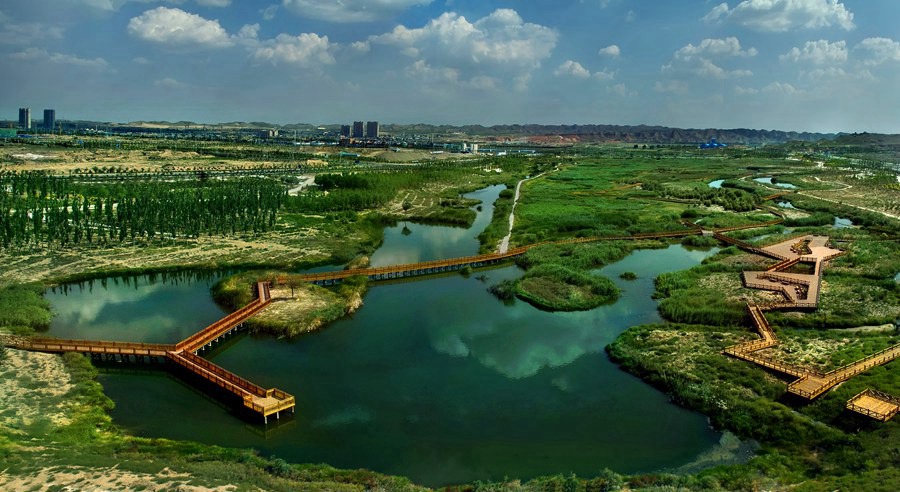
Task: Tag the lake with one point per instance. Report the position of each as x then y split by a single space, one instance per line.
433 378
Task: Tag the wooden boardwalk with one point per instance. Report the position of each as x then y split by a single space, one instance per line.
265 402
801 291
454 264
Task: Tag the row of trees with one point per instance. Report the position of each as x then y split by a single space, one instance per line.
58 212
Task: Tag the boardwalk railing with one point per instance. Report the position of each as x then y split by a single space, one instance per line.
91 346
198 340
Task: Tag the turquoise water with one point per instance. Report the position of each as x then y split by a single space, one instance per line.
768 181
716 184
434 379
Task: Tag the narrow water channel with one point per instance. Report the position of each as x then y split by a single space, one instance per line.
434 379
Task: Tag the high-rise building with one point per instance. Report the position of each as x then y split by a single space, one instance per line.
25 118
345 131
49 119
358 130
371 129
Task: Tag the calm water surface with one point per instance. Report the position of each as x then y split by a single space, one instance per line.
716 184
434 379
768 181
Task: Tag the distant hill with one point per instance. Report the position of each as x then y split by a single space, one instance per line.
550 134
618 133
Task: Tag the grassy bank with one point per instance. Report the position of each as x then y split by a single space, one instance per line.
23 309
297 307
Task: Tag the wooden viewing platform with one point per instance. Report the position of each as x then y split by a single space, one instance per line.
875 404
802 291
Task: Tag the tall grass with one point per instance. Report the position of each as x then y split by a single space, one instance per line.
23 308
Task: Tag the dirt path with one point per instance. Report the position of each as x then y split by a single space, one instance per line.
504 243
843 203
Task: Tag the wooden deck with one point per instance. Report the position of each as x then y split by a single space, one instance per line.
802 291
875 404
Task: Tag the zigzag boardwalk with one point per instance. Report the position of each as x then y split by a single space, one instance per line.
255 398
802 291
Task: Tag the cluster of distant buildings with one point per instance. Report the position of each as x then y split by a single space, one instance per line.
359 131
25 119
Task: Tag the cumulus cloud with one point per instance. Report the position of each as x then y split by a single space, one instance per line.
819 52
611 51
499 45
37 54
730 46
879 50
305 50
784 15
350 10
697 60
214 3
572 69
176 28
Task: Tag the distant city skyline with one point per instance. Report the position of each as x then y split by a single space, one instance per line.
799 65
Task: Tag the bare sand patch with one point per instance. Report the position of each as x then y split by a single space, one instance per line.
32 387
108 478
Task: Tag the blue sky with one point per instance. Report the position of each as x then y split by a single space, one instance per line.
806 65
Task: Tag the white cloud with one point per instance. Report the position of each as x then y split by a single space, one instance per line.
305 50
175 27
499 45
169 84
604 75
15 32
707 68
214 3
784 15
716 13
268 13
114 5
572 69
879 50
730 46
780 88
37 54
140 60
673 86
819 52
696 60
249 31
612 51
745 91
350 10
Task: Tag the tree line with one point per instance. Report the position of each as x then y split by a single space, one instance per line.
42 210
